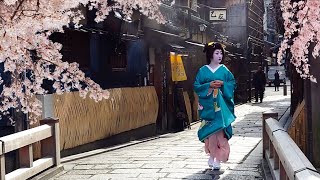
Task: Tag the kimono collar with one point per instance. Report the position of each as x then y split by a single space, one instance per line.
215 69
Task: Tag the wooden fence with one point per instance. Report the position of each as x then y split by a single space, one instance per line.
298 130
284 157
47 134
84 121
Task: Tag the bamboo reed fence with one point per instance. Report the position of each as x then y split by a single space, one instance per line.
83 120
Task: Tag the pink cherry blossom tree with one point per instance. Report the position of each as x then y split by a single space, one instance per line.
302 28
29 57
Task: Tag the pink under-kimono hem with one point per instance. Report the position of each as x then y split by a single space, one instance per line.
217 146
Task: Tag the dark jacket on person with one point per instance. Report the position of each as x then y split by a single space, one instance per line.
259 80
276 79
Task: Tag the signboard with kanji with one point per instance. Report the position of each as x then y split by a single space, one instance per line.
218 14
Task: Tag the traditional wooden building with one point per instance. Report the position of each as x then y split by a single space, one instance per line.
244 27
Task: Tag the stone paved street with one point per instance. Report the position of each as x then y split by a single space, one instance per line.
181 155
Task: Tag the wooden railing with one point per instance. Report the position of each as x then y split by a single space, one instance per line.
47 134
285 159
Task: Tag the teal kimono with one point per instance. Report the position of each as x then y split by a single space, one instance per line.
216 106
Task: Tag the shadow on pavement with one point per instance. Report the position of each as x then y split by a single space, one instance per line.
206 174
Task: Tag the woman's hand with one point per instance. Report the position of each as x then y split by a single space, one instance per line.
215 84
218 81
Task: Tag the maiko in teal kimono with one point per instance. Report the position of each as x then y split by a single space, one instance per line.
216 106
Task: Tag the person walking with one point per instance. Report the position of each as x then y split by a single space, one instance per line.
259 83
276 81
215 85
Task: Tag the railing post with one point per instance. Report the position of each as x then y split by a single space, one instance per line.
284 89
283 174
276 161
265 139
271 149
26 156
2 163
51 146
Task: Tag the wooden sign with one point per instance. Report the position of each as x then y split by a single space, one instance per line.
218 14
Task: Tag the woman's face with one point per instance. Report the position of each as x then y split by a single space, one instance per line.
217 56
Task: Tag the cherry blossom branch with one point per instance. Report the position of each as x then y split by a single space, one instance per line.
302 25
30 57
19 5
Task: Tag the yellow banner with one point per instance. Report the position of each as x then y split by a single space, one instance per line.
177 68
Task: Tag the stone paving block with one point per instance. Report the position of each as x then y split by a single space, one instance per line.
135 155
181 153
164 156
133 178
150 159
83 166
102 166
253 158
125 166
66 177
88 172
68 167
189 176
235 160
153 175
197 159
144 147
193 171
241 155
236 177
193 166
254 134
215 173
61 173
240 168
243 173
146 161
104 161
235 166
237 156
111 176
124 171
199 163
156 166
258 161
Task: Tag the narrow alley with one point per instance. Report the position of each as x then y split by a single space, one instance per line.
181 155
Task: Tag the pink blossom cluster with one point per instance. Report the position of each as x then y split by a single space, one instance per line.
30 57
302 27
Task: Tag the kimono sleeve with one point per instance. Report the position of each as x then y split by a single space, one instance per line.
229 86
200 87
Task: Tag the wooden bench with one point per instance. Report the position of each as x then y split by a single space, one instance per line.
47 134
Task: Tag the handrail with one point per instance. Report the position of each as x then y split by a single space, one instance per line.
284 157
47 134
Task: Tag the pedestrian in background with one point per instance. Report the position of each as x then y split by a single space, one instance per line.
259 83
215 86
276 81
